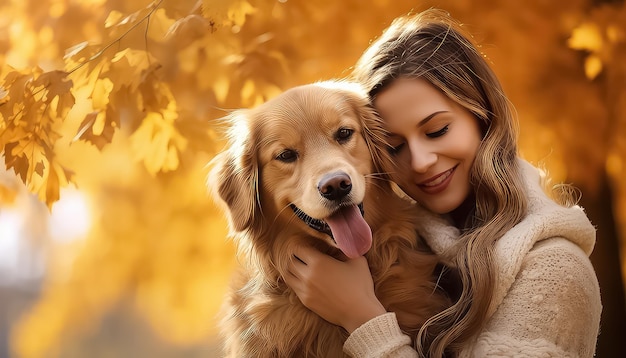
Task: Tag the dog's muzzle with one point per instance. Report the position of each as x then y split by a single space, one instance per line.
317 224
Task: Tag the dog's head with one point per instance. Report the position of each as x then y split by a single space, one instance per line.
303 158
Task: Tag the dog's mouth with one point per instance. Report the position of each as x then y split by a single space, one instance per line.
346 227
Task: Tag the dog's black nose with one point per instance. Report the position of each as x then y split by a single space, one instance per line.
335 186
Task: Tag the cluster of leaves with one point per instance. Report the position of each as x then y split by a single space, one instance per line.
129 78
29 109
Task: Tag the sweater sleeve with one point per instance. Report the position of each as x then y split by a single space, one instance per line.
551 310
379 337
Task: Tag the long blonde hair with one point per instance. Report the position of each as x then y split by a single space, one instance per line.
432 46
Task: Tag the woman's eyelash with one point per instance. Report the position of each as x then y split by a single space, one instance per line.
395 150
438 133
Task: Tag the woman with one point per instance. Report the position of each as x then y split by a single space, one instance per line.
527 285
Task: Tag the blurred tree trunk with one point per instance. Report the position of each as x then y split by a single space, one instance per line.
606 260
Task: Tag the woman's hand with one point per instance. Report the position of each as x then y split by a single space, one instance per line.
341 292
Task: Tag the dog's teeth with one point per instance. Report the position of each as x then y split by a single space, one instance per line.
316 224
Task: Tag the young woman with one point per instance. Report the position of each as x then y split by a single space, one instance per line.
527 287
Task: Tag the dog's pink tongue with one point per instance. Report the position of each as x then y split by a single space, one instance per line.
350 231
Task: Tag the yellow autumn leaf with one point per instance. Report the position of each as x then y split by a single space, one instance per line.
160 24
55 84
129 19
50 192
99 123
114 18
120 54
100 95
64 174
3 95
587 36
152 141
62 104
84 78
72 51
593 66
122 73
142 137
96 128
139 59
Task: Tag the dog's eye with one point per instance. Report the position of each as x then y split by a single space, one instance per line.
343 134
287 156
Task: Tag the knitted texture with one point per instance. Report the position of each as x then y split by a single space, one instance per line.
380 337
546 302
495 345
551 310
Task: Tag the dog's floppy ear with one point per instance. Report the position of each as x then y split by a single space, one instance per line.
234 174
373 130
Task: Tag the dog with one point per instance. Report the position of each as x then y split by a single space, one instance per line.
305 168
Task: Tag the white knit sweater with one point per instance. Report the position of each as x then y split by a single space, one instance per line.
546 302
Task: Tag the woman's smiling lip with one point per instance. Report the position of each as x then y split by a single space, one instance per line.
437 183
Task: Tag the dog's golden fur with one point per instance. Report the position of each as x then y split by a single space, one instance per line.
262 317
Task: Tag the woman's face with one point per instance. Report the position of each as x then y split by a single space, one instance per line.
434 142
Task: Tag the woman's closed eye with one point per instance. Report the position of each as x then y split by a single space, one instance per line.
393 150
438 133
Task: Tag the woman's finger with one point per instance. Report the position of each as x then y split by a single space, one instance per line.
307 261
305 254
296 267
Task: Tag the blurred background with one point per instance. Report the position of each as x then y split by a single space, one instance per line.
109 243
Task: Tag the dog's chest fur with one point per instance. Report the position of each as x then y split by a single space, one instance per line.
267 318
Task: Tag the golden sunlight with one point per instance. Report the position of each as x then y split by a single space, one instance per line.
70 218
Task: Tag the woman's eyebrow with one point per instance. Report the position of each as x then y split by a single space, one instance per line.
429 117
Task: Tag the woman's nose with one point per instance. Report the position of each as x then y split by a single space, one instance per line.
422 158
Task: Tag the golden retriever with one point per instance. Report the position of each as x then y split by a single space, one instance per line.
304 168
